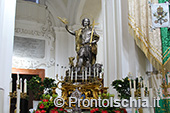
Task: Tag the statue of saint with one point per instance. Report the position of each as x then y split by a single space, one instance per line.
86 44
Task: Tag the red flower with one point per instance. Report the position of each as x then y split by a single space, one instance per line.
104 111
96 109
56 108
92 111
42 106
105 104
117 112
45 100
53 111
43 111
61 109
38 111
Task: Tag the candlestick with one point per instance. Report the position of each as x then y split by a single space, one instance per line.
25 86
21 85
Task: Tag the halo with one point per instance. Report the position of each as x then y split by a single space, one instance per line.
86 16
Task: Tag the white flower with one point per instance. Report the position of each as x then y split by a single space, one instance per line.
120 85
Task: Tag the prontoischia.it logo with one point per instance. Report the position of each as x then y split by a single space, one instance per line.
111 102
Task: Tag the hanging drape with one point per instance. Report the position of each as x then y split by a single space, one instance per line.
139 27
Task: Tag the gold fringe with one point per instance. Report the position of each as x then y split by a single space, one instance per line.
154 61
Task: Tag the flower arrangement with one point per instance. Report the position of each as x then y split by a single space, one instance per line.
47 105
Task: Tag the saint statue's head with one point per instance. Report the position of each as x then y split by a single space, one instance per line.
86 22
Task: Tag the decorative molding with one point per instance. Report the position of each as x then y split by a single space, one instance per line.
29 32
43 32
26 63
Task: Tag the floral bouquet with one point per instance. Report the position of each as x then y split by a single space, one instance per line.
47 106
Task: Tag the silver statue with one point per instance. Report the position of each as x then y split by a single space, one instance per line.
86 44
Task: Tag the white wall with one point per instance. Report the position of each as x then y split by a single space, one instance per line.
121 53
7 19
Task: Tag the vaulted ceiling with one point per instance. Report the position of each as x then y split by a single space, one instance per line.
73 9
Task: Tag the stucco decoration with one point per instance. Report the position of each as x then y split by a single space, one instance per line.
34 46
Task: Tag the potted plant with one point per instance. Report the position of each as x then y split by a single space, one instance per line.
123 88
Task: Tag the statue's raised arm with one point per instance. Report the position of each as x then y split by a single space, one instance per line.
66 26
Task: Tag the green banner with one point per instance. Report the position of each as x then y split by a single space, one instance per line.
165 37
164 106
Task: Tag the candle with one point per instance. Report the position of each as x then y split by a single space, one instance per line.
82 75
142 93
18 101
151 100
89 71
138 78
86 74
17 83
25 86
69 71
17 75
57 69
134 83
130 84
21 84
144 83
98 72
76 75
168 76
148 84
10 85
94 72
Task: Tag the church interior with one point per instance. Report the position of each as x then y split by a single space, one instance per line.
87 49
